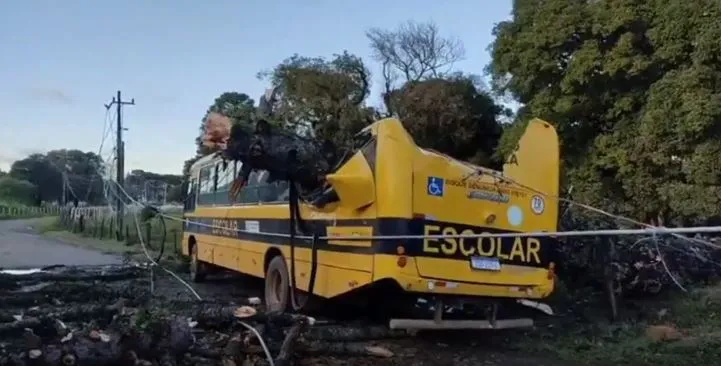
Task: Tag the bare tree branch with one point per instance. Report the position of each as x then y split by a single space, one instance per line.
415 51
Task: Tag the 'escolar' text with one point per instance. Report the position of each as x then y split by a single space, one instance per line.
519 249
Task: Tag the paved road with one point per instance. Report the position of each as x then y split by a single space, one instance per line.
20 248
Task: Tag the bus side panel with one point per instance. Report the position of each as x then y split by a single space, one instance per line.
205 250
394 187
184 245
339 269
248 256
227 255
330 280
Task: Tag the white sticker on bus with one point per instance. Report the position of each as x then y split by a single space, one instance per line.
252 226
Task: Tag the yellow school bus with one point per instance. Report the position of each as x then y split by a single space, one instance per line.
409 209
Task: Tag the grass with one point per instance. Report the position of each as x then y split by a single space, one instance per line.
100 236
696 315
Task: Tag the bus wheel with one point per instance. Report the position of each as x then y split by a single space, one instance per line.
197 268
277 285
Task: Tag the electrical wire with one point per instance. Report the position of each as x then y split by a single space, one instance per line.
260 339
590 208
571 233
155 263
649 230
498 176
145 249
106 129
192 290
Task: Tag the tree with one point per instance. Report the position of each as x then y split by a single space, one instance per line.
37 170
83 171
412 52
176 193
456 106
152 186
239 107
324 98
633 89
14 190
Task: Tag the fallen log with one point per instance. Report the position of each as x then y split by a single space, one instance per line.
346 349
223 316
13 281
163 341
289 343
69 292
44 319
351 334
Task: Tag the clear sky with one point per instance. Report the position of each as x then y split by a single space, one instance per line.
60 61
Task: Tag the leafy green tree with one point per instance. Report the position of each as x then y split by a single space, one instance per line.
141 184
37 170
633 89
14 190
176 193
82 169
421 88
467 116
325 98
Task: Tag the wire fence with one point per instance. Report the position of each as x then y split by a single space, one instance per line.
101 223
8 212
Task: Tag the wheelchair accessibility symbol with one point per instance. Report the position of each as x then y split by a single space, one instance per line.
435 186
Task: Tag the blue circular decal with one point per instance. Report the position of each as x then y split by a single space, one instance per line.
515 216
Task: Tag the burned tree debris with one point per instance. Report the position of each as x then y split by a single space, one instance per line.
285 155
108 316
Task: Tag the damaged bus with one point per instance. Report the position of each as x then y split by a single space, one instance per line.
396 220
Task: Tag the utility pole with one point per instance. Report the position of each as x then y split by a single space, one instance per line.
65 188
120 154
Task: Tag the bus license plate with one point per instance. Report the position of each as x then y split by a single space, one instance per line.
485 263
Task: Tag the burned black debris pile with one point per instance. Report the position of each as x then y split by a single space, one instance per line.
285 155
634 265
109 317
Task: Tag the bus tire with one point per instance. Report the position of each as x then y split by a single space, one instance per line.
198 269
277 285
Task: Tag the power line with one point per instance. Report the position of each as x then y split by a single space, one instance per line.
120 153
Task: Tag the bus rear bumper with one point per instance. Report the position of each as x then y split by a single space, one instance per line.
428 324
438 323
431 286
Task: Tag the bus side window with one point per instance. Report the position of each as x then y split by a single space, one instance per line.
192 194
205 183
225 178
269 192
257 190
283 191
249 194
